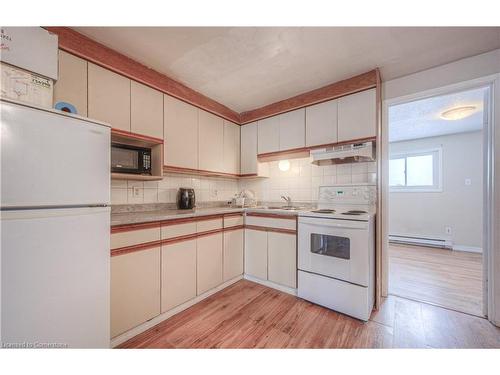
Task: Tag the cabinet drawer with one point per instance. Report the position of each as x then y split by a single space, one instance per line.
271 222
176 230
134 237
232 221
210 224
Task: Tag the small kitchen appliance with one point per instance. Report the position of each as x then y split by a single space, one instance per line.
186 199
130 159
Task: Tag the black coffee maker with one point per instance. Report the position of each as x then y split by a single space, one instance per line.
185 199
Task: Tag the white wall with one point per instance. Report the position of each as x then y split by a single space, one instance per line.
459 206
302 180
453 75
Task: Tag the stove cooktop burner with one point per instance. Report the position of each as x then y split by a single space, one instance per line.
324 211
354 212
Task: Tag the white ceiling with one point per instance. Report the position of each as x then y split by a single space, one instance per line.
421 118
247 67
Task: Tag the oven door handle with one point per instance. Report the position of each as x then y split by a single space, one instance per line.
332 223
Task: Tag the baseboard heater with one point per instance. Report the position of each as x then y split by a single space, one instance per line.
422 241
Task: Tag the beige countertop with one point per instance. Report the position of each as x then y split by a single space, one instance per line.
124 218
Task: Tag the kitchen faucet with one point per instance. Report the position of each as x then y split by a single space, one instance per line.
288 200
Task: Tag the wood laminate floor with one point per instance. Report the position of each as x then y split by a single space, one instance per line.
452 279
249 315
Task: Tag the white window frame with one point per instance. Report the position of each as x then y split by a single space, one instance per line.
438 185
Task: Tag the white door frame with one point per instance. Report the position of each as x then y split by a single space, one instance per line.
489 192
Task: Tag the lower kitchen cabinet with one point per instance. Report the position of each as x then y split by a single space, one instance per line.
135 289
178 273
233 254
282 258
209 262
256 253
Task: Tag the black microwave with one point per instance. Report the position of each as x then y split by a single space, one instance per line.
130 159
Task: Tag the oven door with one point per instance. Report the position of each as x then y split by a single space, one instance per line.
335 248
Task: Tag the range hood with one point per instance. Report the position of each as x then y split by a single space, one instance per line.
352 153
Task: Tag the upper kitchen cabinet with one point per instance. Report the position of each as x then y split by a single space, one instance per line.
108 97
248 161
321 123
71 87
292 130
357 116
210 142
180 133
268 135
231 148
146 110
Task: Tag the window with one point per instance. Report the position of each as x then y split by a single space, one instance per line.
416 171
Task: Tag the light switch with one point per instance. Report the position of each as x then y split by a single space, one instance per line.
468 182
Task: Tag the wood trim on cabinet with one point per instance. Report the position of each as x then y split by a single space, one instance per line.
138 226
82 46
134 248
235 227
233 214
335 90
186 237
273 215
136 136
198 172
209 217
270 229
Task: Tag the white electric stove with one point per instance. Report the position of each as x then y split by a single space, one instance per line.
336 250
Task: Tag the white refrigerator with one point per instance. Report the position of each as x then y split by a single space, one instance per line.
55 228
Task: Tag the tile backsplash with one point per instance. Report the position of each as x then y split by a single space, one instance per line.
300 182
165 191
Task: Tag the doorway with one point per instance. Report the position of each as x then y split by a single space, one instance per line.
436 170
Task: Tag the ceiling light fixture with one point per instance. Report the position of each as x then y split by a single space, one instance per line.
458 113
284 165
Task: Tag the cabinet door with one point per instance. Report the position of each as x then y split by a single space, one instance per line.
71 87
209 262
248 136
269 135
109 97
282 259
233 254
210 142
357 116
256 253
231 156
180 133
321 123
135 289
292 129
178 273
146 110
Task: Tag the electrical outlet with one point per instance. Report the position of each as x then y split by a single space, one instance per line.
136 191
447 230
